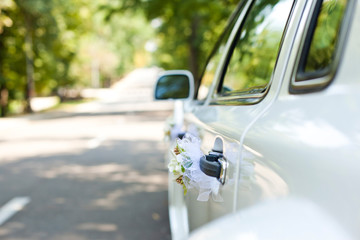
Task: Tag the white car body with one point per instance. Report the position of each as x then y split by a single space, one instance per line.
294 159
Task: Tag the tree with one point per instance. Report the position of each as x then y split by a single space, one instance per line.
188 29
38 47
5 21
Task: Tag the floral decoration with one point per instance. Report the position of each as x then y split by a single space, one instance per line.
185 167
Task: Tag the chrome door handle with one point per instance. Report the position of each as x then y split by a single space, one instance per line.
181 135
214 165
224 166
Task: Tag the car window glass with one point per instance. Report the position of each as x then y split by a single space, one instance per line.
324 40
256 49
215 56
172 86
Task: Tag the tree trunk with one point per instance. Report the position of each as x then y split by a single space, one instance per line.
194 49
4 96
29 55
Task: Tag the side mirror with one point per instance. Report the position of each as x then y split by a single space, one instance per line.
175 84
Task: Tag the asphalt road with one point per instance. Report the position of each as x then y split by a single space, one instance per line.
84 174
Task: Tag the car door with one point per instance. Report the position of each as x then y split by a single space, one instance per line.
249 70
305 148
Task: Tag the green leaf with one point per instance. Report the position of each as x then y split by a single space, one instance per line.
188 164
185 189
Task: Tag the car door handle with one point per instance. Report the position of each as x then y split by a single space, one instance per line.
214 165
181 135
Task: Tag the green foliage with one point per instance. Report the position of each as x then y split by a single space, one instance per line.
47 46
5 20
188 29
44 33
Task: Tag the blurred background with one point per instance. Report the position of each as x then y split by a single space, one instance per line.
59 47
81 143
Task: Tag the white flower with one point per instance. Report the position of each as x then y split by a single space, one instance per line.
179 158
177 168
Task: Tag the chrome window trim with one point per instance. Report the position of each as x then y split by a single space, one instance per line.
245 98
319 80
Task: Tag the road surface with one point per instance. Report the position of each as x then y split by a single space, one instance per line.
95 171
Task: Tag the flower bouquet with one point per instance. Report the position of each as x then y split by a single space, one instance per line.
185 167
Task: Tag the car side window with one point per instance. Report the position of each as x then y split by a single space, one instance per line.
321 46
255 51
216 54
210 68
324 40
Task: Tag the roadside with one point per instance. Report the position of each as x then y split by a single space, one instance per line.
132 93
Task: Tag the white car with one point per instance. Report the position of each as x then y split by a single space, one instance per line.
279 105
